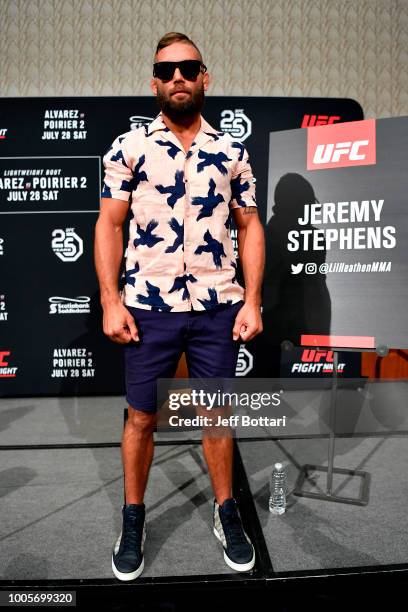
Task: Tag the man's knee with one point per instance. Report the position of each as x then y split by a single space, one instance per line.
143 422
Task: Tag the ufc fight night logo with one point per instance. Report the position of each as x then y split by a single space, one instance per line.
340 145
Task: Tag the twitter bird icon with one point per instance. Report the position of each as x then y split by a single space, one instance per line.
297 268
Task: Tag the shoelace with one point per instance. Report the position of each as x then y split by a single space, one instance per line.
233 529
133 530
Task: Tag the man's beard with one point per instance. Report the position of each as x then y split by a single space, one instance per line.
179 110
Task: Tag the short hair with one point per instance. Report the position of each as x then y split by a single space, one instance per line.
172 37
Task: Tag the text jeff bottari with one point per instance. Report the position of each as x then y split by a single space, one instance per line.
232 421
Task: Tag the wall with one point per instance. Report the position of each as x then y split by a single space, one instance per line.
346 48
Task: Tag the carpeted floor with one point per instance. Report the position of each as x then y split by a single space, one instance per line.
61 507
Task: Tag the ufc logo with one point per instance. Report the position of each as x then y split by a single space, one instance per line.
333 151
342 144
311 120
3 354
312 355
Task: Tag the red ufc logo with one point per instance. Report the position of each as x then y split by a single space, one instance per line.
311 120
332 152
340 145
3 362
312 355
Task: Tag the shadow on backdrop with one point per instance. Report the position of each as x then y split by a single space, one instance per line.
293 304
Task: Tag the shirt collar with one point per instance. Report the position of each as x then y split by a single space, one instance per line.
158 124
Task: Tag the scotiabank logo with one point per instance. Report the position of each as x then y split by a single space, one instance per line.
341 145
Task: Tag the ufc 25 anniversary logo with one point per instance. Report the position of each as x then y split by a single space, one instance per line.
342 144
66 244
236 123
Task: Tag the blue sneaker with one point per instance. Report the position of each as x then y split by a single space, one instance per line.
239 554
127 556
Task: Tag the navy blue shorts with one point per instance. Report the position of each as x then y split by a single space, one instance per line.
204 335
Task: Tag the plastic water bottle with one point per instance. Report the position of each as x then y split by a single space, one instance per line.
277 499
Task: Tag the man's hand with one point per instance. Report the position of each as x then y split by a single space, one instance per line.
248 322
118 324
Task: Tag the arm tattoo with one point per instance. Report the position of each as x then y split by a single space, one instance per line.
249 210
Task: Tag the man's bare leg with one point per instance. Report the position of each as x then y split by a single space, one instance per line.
137 453
239 553
218 453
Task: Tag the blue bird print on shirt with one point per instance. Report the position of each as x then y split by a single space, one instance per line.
213 159
180 282
129 275
172 148
176 191
137 177
213 301
179 229
237 188
153 298
214 136
146 237
213 246
119 156
241 148
106 192
234 265
208 203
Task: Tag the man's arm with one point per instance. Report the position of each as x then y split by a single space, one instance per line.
118 323
251 250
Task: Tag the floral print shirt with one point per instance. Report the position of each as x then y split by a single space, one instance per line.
180 254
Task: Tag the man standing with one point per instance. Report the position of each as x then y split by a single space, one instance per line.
184 181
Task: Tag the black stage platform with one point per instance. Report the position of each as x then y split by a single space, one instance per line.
62 489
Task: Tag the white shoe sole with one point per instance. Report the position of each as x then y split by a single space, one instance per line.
125 576
239 567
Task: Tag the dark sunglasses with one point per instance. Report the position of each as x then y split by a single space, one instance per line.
190 69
